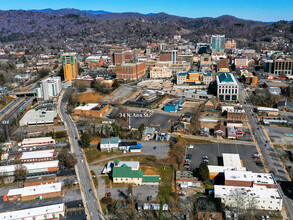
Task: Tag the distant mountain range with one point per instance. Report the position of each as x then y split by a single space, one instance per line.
56 26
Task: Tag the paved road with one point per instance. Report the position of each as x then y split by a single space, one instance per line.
92 202
271 158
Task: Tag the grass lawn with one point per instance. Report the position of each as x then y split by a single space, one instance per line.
5 101
194 141
89 97
107 181
93 154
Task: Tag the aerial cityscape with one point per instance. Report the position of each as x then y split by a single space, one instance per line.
132 111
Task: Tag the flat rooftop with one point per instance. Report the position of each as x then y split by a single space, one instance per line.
87 107
40 178
39 139
37 154
31 166
34 116
231 160
30 213
255 191
258 178
36 190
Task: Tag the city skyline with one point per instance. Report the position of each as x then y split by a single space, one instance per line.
268 11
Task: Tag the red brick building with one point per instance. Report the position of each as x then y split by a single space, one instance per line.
130 71
40 180
118 58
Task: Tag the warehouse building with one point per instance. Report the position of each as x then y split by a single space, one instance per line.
39 117
40 180
92 110
38 213
37 141
34 192
32 168
34 156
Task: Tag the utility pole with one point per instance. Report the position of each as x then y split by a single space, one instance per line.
6 124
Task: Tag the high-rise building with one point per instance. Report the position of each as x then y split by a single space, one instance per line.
169 55
49 88
218 43
70 66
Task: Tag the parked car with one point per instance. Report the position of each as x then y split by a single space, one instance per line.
206 161
190 146
205 157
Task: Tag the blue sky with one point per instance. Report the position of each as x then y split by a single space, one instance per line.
263 10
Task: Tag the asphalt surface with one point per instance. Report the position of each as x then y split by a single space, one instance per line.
92 202
271 158
215 151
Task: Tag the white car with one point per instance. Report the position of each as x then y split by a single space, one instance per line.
190 147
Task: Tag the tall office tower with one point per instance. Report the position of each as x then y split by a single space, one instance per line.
70 66
218 43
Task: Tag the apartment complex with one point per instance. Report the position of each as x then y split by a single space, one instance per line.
130 71
49 89
70 66
218 43
227 87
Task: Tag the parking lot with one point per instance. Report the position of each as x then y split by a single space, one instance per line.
214 153
139 192
160 152
277 134
158 120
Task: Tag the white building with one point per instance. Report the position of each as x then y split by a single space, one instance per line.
160 72
38 213
42 155
38 167
110 144
35 190
227 87
37 141
36 117
256 197
50 88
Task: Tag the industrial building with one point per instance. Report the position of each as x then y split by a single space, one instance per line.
37 141
174 105
39 167
35 117
35 156
38 213
92 110
34 192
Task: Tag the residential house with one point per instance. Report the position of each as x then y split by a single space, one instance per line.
220 130
148 133
162 136
210 104
110 144
178 127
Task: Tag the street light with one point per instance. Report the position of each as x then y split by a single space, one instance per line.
6 124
